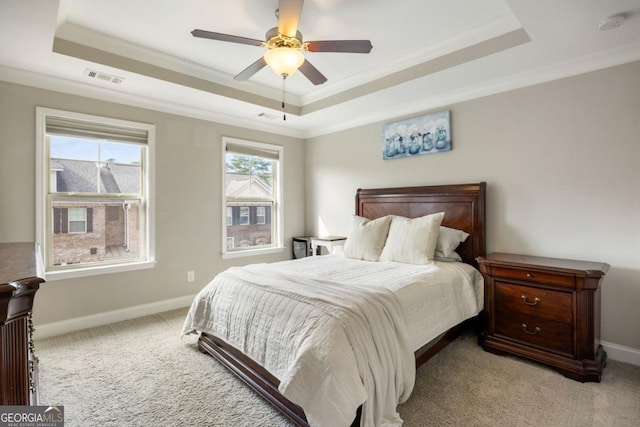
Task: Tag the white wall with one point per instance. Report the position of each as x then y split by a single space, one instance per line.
188 213
562 165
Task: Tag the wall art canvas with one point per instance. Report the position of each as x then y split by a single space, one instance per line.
420 135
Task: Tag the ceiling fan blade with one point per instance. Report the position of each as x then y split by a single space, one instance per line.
347 46
225 37
251 69
289 16
312 73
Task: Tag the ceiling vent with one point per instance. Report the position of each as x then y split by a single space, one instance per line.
103 76
612 22
269 116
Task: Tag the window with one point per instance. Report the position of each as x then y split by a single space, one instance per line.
261 215
94 205
252 197
244 216
78 220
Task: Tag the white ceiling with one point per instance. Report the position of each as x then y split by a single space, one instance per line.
426 54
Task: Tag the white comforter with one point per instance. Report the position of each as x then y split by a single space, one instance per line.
334 330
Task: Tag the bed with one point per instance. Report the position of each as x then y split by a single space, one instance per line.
464 209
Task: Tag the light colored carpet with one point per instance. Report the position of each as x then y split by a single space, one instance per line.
140 373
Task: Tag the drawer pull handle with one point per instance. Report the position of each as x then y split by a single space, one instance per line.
535 331
535 301
529 275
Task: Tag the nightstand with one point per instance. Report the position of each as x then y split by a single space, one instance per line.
544 309
329 242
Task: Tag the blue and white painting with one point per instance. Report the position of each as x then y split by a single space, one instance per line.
421 135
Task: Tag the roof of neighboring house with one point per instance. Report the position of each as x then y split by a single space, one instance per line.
247 187
82 176
127 177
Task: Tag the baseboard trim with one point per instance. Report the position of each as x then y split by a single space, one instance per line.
622 353
76 324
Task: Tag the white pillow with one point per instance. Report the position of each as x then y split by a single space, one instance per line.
412 240
448 240
366 238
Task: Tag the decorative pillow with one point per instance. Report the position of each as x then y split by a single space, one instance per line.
412 240
454 257
448 240
366 238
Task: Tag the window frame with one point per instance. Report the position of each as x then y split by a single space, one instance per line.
44 230
277 211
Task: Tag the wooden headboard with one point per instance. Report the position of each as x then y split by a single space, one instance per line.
463 205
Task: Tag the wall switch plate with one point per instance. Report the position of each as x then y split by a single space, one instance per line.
191 276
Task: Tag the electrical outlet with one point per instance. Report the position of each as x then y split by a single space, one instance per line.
191 276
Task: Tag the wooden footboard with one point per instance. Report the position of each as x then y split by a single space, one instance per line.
260 380
254 375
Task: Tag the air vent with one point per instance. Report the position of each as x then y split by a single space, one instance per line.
612 22
103 76
269 116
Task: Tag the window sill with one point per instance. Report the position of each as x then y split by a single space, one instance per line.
97 270
252 252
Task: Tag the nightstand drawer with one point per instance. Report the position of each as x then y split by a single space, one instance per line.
555 279
532 330
541 303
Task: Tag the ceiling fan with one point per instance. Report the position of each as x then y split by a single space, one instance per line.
285 46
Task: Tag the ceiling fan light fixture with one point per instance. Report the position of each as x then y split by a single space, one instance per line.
284 61
285 46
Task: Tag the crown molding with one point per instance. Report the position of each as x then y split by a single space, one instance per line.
57 84
620 56
493 29
89 38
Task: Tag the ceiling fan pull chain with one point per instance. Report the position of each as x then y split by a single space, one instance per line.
284 115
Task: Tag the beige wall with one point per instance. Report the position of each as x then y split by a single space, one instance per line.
560 159
188 193
562 165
